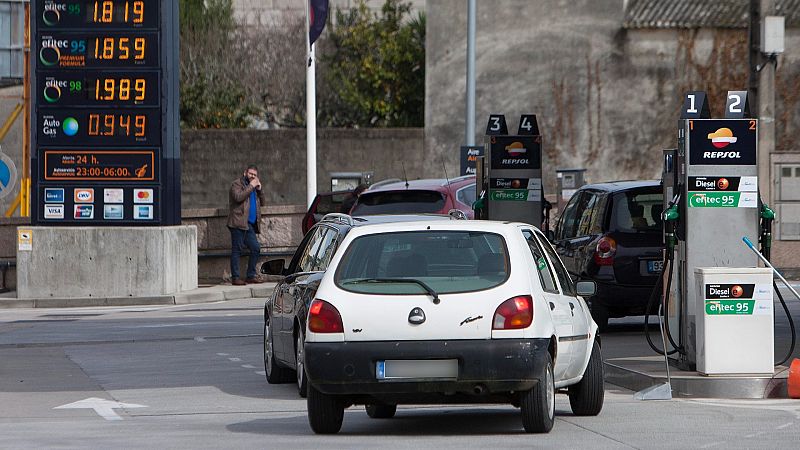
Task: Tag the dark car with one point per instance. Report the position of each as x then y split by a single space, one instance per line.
286 310
433 196
611 233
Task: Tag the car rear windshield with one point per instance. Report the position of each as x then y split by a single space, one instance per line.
446 261
398 202
331 203
637 211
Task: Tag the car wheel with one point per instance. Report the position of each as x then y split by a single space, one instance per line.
378 411
600 316
300 369
275 373
538 405
325 412
586 397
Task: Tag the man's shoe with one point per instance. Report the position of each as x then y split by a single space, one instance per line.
238 282
254 281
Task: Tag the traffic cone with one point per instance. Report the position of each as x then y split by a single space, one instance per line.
793 383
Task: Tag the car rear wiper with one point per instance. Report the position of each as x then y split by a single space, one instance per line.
424 285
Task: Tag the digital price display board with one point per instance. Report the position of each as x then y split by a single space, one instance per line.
105 122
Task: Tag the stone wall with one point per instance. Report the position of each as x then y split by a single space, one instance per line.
269 12
212 159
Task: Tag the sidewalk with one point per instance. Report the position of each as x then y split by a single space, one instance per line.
203 294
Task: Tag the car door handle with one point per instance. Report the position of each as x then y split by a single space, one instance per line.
552 306
572 308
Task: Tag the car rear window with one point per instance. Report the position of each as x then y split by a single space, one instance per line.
447 261
637 211
331 203
399 202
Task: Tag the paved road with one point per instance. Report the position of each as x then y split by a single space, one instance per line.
192 377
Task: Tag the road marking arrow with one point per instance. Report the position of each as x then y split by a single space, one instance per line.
104 408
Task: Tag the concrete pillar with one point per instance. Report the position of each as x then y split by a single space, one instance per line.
105 262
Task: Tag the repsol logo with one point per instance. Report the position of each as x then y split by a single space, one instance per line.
516 162
721 155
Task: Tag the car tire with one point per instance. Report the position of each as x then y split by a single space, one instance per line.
380 411
300 367
325 412
538 405
586 397
275 374
600 316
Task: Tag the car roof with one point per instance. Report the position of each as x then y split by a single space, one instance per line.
346 221
622 185
455 225
426 183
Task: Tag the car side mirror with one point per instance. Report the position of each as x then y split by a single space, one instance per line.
273 267
585 288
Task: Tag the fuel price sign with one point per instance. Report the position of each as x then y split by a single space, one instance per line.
105 117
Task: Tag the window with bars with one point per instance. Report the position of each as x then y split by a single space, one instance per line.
12 29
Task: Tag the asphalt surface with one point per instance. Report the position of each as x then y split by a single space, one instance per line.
191 376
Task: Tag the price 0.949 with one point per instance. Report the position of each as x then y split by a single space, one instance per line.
117 125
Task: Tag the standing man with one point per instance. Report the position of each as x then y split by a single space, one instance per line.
245 201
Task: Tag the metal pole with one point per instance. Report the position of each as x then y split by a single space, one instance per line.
470 129
311 118
25 178
766 114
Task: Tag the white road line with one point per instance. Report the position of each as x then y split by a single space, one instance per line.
222 354
786 425
200 339
262 373
234 359
248 366
713 444
754 434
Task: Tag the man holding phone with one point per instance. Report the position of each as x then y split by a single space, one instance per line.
245 201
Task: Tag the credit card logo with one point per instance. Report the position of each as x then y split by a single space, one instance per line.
54 195
113 212
84 212
84 195
53 211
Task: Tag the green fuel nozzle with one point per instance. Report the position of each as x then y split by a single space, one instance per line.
670 217
767 213
767 217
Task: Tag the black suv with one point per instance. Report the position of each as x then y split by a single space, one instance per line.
286 310
611 233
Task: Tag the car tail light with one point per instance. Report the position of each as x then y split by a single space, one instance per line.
324 318
514 313
605 251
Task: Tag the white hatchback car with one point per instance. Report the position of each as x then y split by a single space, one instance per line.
440 312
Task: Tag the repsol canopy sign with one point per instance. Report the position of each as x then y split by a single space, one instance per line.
727 142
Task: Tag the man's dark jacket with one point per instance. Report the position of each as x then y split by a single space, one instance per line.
239 204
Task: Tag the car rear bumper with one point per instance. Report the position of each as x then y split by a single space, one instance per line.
484 366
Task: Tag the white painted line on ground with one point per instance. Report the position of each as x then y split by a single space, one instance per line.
248 366
262 373
234 359
222 354
786 425
200 339
104 408
713 444
754 434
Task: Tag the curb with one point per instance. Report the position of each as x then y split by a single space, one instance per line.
202 295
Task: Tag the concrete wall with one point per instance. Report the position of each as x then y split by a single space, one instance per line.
72 262
212 159
607 98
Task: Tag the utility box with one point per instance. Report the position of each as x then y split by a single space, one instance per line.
347 181
735 331
569 181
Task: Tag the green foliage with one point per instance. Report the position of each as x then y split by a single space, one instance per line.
212 96
376 70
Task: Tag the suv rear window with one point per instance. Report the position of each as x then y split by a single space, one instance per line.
637 211
398 202
447 261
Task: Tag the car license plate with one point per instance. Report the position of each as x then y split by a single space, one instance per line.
655 266
416 369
